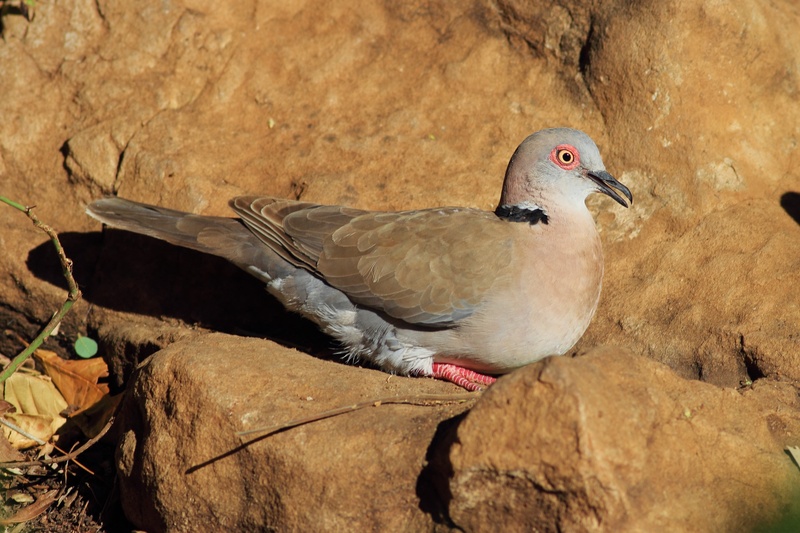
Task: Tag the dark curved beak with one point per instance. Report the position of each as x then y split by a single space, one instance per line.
605 182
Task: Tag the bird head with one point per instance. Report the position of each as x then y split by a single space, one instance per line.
558 167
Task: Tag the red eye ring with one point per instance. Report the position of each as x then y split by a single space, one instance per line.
565 156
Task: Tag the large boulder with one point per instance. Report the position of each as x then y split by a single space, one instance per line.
384 105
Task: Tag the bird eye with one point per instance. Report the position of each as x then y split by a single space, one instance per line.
565 156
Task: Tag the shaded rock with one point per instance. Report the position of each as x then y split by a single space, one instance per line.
181 464
557 30
615 442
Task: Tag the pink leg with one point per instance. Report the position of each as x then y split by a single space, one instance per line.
463 377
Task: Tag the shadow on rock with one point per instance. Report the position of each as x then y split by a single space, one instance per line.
433 483
135 274
790 202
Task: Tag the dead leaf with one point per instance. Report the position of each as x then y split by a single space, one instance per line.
8 453
5 407
92 420
45 450
33 395
33 510
22 497
794 451
37 426
77 380
38 405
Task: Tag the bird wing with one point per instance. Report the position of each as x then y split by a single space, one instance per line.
267 218
429 267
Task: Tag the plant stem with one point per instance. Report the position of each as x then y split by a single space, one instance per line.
73 295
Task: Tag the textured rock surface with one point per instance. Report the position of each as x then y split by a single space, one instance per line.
728 288
181 464
375 104
606 441
602 442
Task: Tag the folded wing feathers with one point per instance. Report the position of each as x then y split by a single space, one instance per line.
273 219
376 257
376 260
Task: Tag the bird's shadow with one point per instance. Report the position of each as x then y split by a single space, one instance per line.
790 202
433 490
127 272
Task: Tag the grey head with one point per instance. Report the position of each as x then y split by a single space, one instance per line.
555 168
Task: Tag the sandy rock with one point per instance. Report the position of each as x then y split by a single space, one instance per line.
673 73
615 442
182 467
728 288
384 105
604 442
715 269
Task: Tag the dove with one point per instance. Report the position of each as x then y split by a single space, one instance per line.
455 293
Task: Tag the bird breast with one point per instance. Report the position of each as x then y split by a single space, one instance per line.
541 304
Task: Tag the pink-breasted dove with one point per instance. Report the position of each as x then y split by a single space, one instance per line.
449 292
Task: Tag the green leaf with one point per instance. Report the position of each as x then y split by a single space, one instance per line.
85 347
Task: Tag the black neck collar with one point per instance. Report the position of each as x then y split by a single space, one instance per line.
514 213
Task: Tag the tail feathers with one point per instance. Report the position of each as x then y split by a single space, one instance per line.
224 237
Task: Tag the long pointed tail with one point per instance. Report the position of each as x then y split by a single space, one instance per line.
224 237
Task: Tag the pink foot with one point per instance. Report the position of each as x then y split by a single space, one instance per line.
463 377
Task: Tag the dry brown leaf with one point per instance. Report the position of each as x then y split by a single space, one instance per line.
7 452
45 450
39 426
33 395
5 407
37 404
77 380
92 420
33 510
21 497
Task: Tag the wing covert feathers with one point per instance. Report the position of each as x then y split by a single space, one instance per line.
429 267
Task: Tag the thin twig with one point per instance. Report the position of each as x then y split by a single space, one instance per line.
78 463
73 295
418 399
12 426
